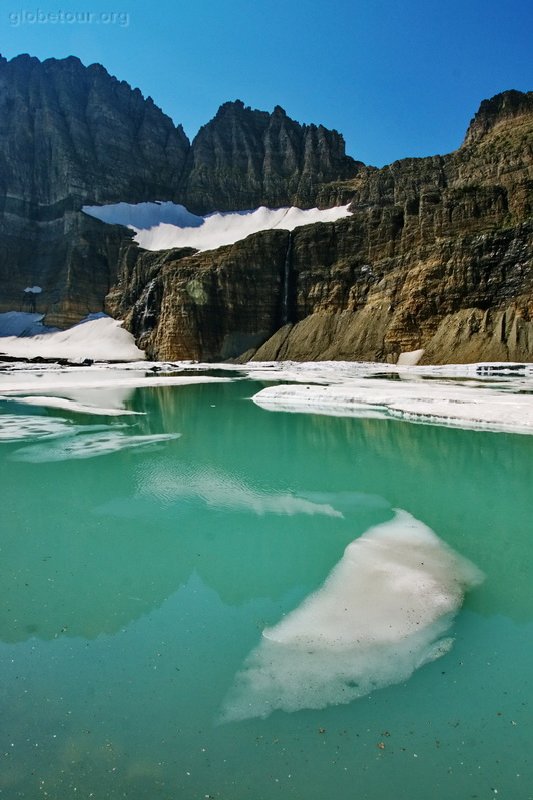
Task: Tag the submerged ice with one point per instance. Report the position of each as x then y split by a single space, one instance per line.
382 612
88 445
14 427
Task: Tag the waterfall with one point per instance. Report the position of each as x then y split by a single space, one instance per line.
286 283
147 308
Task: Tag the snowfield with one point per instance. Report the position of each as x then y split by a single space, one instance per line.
162 226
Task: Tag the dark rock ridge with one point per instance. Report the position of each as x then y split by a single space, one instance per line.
438 254
72 135
245 158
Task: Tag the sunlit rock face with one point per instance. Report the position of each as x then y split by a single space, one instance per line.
435 255
209 306
382 613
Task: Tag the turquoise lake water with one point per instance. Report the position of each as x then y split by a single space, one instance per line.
136 583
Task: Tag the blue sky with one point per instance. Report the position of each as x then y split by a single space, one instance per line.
396 78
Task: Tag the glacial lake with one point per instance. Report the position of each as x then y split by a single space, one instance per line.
156 640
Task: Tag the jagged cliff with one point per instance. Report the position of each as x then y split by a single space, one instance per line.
72 135
438 254
245 158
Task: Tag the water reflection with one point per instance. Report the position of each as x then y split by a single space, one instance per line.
258 504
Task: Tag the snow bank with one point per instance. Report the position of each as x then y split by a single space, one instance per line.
102 339
380 615
162 226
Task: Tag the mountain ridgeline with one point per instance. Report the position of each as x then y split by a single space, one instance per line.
72 135
437 253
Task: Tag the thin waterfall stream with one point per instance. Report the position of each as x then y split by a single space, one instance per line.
286 283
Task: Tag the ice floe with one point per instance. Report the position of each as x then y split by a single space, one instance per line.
66 404
161 226
437 402
382 613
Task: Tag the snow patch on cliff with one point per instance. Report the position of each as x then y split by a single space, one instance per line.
162 226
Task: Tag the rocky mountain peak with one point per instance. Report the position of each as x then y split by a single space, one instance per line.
500 109
74 134
244 158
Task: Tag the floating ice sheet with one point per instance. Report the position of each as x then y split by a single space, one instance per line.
100 384
67 404
485 396
381 613
438 402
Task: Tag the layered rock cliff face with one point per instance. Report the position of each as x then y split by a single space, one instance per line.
438 254
72 135
245 159
214 305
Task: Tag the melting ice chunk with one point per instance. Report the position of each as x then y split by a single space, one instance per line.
380 615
